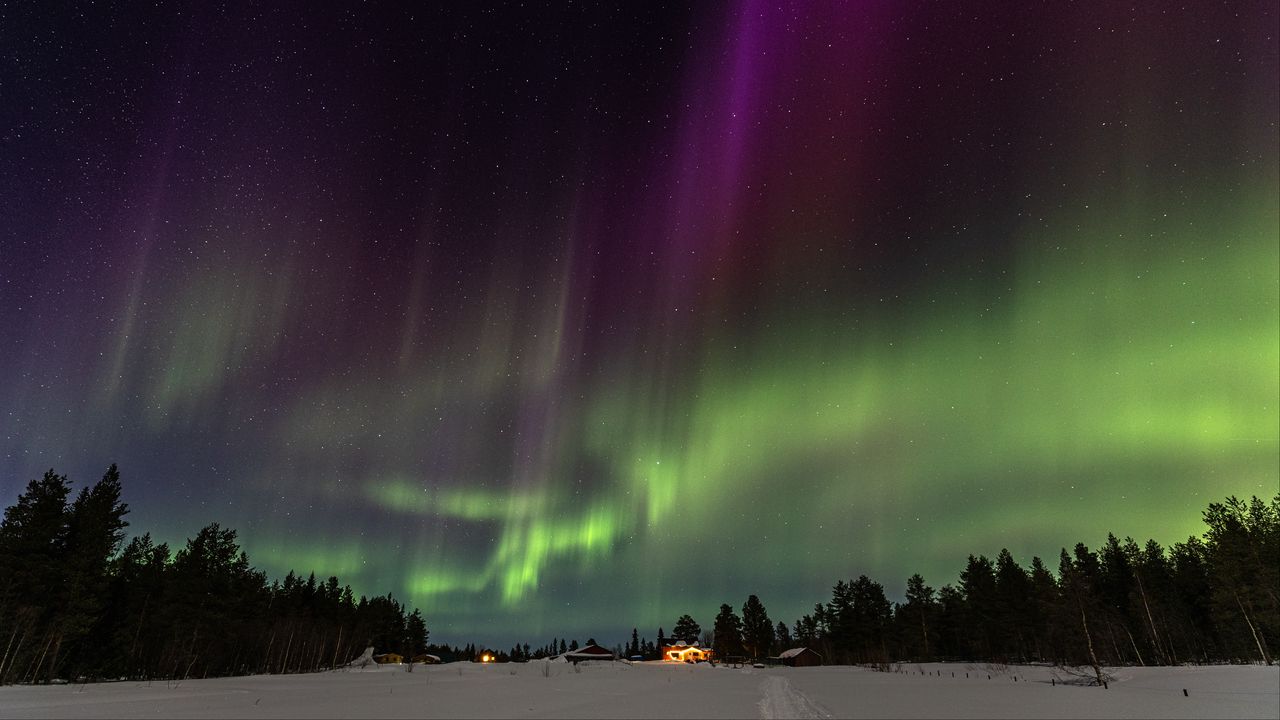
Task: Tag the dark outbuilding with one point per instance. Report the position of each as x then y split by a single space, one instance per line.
800 657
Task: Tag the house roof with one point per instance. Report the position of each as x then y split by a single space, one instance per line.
589 651
796 651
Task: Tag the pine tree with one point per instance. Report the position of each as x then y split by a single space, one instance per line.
416 628
840 622
873 615
978 582
757 628
1116 584
1077 588
1012 632
919 611
782 637
1244 578
686 629
95 529
33 538
728 630
1043 610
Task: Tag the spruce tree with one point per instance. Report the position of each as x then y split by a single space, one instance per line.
686 629
757 628
95 529
918 611
33 538
782 637
416 627
728 633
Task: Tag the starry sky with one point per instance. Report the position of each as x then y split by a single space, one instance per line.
563 320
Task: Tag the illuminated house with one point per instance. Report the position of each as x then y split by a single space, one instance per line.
682 651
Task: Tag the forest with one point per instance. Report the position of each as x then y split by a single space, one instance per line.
1207 599
77 602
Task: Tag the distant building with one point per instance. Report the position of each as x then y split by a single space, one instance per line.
427 659
388 658
800 657
682 651
589 652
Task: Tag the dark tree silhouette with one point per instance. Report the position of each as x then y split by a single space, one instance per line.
728 633
686 629
757 628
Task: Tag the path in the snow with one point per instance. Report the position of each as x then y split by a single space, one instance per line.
782 701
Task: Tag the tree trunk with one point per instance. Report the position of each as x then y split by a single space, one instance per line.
1115 647
266 657
1093 658
137 631
4 670
1262 649
5 660
284 667
924 630
1155 636
53 661
34 672
1134 645
336 647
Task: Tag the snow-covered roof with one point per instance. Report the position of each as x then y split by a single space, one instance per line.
589 651
794 652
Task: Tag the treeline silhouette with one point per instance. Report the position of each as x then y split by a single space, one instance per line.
78 602
75 602
1210 599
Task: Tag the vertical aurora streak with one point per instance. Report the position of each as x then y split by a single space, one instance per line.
575 319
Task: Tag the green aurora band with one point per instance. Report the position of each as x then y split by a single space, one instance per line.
1110 393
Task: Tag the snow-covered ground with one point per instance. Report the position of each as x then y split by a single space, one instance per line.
653 690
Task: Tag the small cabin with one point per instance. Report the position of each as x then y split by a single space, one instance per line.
682 651
388 658
589 652
427 659
800 657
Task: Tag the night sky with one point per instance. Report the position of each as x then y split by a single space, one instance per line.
559 321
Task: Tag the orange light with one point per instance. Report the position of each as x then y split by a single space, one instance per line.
485 658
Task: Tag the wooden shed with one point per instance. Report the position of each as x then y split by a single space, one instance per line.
589 652
800 657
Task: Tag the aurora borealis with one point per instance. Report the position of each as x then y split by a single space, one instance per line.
561 321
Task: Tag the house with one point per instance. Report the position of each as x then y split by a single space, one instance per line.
682 651
800 657
588 652
388 658
427 659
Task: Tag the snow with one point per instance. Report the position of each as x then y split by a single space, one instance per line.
365 660
654 689
791 653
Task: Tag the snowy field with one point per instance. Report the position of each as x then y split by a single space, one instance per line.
653 690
